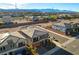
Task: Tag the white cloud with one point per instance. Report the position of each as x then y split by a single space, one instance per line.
8 3
6 6
38 1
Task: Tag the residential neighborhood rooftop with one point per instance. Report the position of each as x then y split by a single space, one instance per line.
62 22
33 31
5 36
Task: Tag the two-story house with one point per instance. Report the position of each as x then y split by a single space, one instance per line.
35 35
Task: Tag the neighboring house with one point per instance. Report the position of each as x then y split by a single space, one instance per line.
7 19
35 18
28 18
66 26
61 16
61 27
12 45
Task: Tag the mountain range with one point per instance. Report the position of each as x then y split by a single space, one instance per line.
37 10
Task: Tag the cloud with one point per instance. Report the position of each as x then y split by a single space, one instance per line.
38 1
7 6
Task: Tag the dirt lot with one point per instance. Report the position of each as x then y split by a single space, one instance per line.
4 30
45 25
9 30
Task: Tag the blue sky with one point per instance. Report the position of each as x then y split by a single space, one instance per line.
61 6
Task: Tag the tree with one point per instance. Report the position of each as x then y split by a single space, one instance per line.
53 17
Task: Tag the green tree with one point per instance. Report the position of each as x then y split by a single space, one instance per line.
53 17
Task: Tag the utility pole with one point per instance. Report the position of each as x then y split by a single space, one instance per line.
16 6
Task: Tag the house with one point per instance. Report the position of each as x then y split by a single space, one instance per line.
35 18
7 18
38 39
64 16
66 26
11 44
35 35
7 21
29 17
39 18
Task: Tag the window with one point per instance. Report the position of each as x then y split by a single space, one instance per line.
35 39
3 48
41 37
0 48
21 44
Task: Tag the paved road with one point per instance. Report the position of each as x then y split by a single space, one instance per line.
20 26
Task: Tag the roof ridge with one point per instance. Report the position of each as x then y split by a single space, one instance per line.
5 36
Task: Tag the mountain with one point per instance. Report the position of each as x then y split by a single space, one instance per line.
36 10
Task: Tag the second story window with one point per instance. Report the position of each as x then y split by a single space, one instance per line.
21 44
35 39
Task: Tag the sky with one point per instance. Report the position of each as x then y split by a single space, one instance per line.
61 6
22 4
